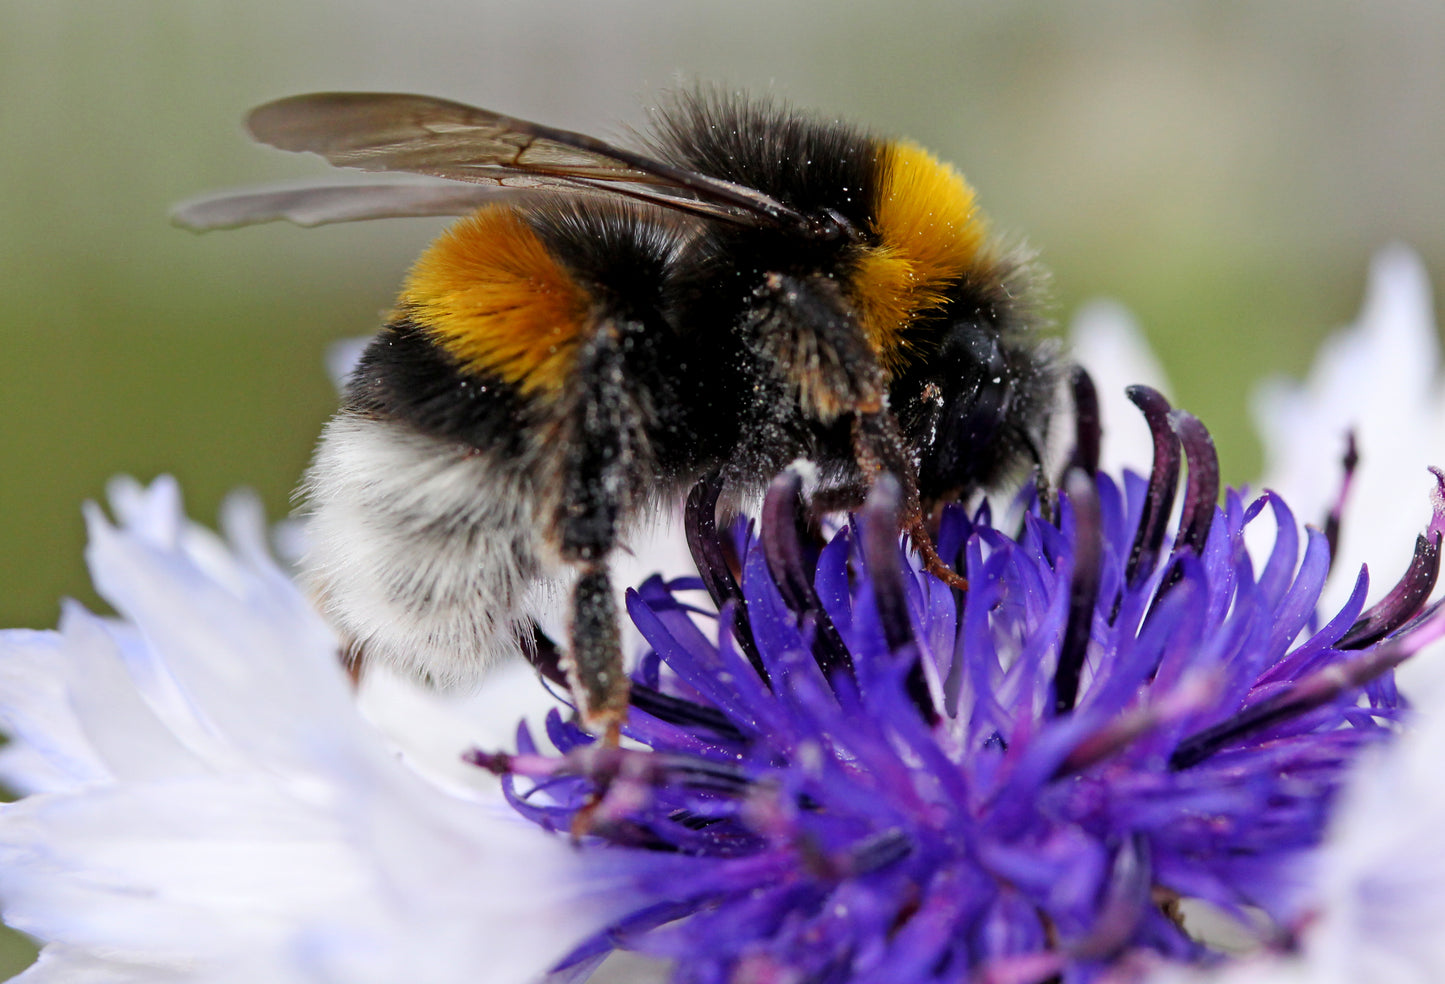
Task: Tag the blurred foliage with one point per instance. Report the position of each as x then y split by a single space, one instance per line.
1224 169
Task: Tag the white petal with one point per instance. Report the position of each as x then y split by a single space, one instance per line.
1379 378
60 964
1105 339
48 747
216 809
1382 897
342 358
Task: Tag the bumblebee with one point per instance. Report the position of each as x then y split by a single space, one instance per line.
605 326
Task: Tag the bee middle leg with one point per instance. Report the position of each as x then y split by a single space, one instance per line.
603 454
595 671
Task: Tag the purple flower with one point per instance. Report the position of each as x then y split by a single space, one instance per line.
863 775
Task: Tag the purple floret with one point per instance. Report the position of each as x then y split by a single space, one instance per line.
860 774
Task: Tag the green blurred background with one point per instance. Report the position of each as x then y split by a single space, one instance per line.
1224 169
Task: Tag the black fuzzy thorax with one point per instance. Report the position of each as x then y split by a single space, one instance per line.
807 163
814 166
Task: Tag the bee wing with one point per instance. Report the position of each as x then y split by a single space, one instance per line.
320 204
444 139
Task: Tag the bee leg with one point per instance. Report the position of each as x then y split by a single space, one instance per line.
595 673
879 447
553 665
352 658
596 482
596 677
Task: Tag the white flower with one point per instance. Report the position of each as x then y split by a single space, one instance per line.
206 804
1378 379
1380 885
1379 888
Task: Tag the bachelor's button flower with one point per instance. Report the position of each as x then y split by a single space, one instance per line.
863 776
205 804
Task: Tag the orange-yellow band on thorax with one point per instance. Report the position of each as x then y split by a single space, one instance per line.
929 235
496 300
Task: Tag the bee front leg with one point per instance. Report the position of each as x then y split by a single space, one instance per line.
879 446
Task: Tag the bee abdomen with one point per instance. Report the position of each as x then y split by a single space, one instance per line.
422 552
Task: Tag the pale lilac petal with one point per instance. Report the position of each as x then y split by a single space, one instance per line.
342 357
1382 895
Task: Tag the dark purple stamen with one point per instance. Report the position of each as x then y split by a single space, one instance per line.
884 561
687 713
1088 430
546 656
1403 602
708 553
1083 589
1201 493
1163 480
1201 490
1348 465
782 538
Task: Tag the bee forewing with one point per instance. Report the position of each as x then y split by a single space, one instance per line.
386 132
437 137
318 204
